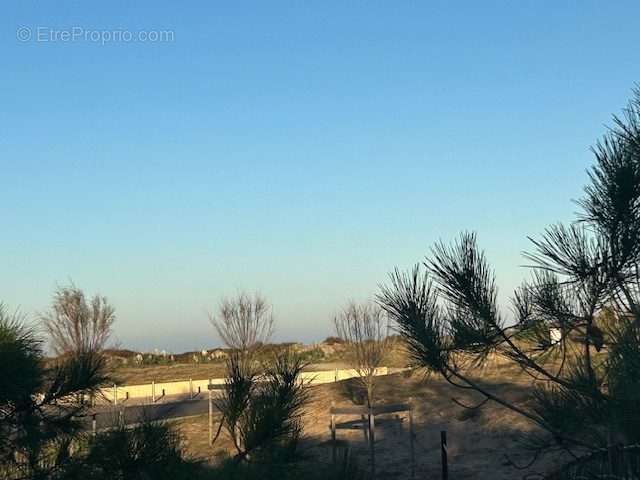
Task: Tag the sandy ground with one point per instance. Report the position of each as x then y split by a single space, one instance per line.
134 375
168 373
182 372
478 445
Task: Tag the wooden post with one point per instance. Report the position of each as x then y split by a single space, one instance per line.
333 434
153 391
190 389
121 417
93 425
115 394
372 439
210 417
612 455
411 440
443 447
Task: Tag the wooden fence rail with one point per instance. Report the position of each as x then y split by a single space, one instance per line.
368 420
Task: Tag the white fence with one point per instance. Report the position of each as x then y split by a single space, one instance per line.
153 391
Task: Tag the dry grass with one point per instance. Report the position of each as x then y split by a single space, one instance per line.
478 442
168 373
181 372
135 375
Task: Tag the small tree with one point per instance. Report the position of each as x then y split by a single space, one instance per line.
364 330
75 325
244 322
261 404
38 408
586 278
144 451
262 414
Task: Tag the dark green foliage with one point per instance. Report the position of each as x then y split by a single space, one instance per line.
411 299
41 432
150 450
575 411
239 388
262 415
585 289
39 405
20 356
620 463
272 423
623 374
345 469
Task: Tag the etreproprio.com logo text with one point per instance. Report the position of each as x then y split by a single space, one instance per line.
47 34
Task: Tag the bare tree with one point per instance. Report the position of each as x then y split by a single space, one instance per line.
364 328
244 321
76 325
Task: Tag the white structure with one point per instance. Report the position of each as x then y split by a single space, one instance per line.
555 335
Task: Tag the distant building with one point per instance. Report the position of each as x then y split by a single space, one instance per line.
218 354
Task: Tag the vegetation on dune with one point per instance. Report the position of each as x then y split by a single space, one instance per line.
576 329
144 451
262 402
262 414
364 331
41 404
43 436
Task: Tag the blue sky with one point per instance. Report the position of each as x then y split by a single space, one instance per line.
302 149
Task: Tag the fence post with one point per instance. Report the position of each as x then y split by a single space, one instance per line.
210 414
613 456
333 433
153 391
443 447
372 439
115 394
190 389
411 440
93 425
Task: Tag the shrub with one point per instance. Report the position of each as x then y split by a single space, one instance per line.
262 415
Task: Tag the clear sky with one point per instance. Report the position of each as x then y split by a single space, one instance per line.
302 149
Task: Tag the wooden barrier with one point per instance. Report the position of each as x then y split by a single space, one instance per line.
444 455
210 413
369 425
